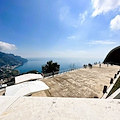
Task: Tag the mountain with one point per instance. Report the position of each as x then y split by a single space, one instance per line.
11 60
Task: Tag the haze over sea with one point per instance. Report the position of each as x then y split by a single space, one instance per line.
65 63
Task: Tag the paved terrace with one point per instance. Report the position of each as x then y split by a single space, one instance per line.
81 83
42 108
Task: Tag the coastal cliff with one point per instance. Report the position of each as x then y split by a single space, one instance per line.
10 60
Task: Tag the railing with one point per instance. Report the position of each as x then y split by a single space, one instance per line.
58 72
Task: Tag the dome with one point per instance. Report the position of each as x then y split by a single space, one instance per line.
113 56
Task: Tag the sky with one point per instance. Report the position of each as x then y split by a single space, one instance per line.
59 28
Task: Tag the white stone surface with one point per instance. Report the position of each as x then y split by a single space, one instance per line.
5 102
37 108
25 88
26 77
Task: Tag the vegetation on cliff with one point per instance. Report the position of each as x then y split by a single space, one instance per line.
11 60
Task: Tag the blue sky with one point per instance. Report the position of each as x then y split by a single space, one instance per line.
59 28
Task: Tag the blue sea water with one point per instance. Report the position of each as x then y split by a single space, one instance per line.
65 63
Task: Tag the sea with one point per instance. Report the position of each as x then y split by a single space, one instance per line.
65 63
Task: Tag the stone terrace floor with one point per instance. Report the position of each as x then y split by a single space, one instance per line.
46 108
80 83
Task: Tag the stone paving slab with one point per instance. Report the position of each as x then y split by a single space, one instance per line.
47 108
5 102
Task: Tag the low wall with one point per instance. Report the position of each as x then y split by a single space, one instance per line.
110 88
115 95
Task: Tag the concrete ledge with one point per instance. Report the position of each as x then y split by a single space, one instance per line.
45 108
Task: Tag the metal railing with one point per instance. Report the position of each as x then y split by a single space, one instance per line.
58 72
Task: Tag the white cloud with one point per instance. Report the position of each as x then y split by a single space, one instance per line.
104 6
6 46
75 26
115 23
83 16
100 42
71 37
68 18
64 13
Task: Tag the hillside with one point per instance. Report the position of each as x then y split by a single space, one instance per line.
11 60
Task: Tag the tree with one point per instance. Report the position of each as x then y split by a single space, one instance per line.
50 67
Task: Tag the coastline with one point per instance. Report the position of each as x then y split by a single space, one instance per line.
37 64
15 67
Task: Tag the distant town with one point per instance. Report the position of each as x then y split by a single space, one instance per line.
7 73
8 63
